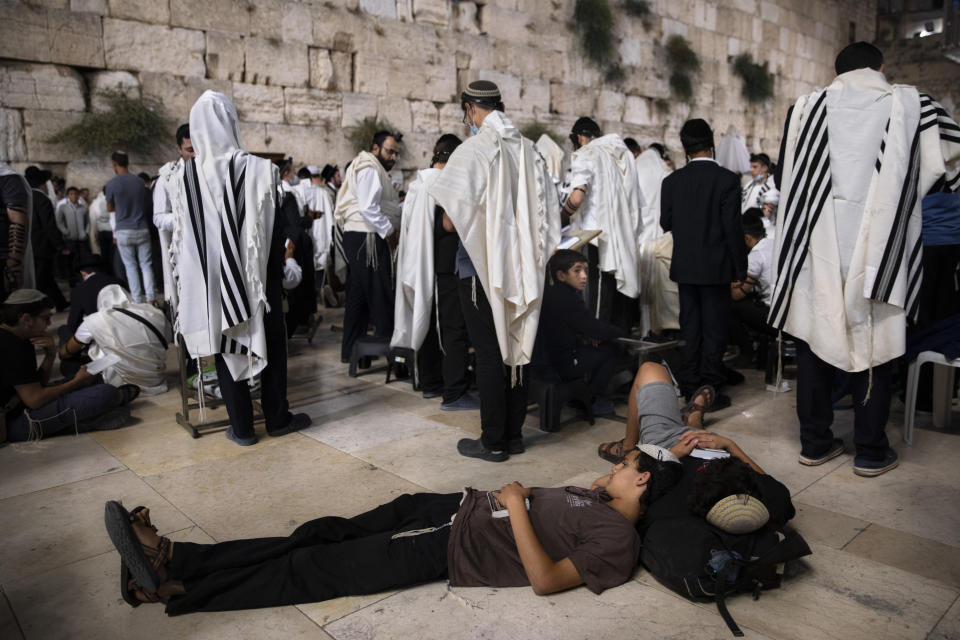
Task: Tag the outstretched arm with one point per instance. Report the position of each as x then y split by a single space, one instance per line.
545 575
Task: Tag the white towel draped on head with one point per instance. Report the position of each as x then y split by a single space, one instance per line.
415 267
497 192
221 242
553 155
651 170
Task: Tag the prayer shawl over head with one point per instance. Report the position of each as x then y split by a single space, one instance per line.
860 155
500 197
169 178
553 155
732 152
225 206
651 170
347 210
319 199
415 268
134 336
613 193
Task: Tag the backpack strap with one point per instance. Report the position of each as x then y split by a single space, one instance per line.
721 596
145 322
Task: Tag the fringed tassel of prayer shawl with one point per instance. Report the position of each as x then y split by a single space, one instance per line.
516 375
436 307
866 397
370 244
473 291
201 391
779 360
599 290
35 433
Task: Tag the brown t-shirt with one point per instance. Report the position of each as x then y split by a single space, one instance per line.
570 522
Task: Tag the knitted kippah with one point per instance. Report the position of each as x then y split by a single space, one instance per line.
658 453
483 89
738 514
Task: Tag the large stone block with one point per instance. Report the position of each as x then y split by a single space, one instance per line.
535 96
396 111
153 12
12 145
98 7
179 93
357 107
321 69
434 12
425 116
277 63
41 34
311 106
287 21
572 100
505 24
465 17
382 8
99 81
342 70
39 126
218 15
253 136
137 46
40 86
224 56
308 145
91 173
408 78
610 105
451 119
639 110
258 102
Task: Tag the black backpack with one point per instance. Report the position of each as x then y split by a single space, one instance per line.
702 563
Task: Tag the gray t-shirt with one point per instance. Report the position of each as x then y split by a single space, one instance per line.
129 197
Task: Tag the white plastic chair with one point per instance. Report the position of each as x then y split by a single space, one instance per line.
942 391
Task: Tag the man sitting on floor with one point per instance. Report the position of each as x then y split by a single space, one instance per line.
32 410
551 539
569 337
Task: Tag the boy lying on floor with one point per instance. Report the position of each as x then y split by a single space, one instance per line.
549 538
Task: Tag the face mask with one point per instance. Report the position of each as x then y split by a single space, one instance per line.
474 129
294 181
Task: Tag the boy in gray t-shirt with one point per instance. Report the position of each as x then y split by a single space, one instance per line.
127 196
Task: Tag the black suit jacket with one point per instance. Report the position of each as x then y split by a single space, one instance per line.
700 204
83 298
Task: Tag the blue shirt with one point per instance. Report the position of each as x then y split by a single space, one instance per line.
464 264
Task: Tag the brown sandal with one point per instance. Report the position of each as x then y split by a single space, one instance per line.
612 452
693 406
132 592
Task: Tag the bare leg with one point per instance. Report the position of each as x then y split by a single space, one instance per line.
647 373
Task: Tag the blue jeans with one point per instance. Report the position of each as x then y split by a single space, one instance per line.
134 246
62 414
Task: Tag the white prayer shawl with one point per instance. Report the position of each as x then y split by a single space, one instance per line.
29 275
848 256
614 195
498 193
139 354
732 152
170 179
319 199
754 192
651 170
553 155
412 309
221 241
347 210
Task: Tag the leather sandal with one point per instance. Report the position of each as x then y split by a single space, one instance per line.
709 395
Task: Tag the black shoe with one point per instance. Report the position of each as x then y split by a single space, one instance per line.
733 377
475 449
297 421
815 461
515 446
432 393
721 401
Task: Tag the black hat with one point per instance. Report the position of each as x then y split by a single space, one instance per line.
329 170
484 93
586 127
696 135
36 176
859 55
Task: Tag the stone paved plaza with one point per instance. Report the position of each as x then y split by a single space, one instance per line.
886 551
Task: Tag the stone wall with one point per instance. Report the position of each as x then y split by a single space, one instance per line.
920 62
302 72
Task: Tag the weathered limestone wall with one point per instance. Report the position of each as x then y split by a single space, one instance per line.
302 72
920 62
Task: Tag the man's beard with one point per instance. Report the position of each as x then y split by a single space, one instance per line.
387 164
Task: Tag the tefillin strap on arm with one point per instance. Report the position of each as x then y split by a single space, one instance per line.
16 248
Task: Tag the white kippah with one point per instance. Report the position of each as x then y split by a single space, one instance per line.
658 453
738 513
25 296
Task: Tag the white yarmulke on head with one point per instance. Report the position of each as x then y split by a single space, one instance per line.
740 513
658 453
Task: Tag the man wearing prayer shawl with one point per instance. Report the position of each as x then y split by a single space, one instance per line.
227 258
498 195
163 216
651 170
605 195
368 207
858 156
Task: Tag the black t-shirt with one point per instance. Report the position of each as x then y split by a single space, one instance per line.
13 193
20 367
445 244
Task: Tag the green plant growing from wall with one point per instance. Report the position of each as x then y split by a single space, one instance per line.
361 135
136 125
593 19
637 8
757 80
684 63
535 129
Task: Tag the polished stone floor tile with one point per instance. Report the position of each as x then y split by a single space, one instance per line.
437 612
922 556
364 429
271 491
949 626
33 466
82 600
826 527
9 627
323 613
53 527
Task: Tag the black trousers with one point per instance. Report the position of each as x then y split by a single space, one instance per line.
453 335
597 364
273 378
430 358
703 325
324 558
46 282
369 291
745 315
815 407
503 406
600 284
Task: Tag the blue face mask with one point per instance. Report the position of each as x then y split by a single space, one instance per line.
294 181
474 129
